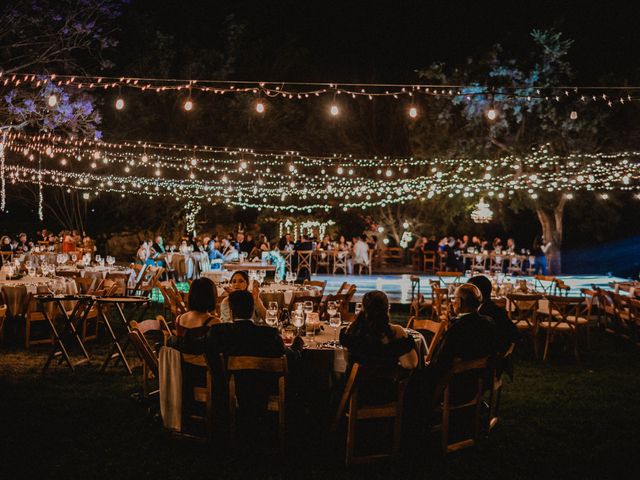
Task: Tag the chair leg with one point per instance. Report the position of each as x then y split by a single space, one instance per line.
546 346
351 430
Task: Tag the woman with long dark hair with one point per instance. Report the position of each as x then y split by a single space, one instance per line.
240 281
202 307
372 340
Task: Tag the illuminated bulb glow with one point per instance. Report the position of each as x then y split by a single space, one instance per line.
119 104
334 110
188 105
413 112
260 107
574 115
52 100
492 114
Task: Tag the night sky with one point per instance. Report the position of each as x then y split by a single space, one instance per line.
387 40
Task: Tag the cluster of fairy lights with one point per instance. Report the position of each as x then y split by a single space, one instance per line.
289 181
263 91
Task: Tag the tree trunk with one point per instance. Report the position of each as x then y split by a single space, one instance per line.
551 221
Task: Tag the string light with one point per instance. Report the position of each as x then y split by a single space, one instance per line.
52 100
260 107
413 112
574 115
334 110
188 105
492 114
119 104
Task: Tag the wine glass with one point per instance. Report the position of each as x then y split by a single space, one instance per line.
297 318
271 318
98 258
334 321
331 308
74 258
111 261
307 307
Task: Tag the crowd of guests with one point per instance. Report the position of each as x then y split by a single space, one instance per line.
452 248
478 328
64 242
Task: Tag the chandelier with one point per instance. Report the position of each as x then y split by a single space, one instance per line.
482 212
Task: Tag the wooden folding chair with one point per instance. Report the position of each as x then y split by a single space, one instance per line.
516 264
434 329
474 373
479 263
276 403
523 312
495 263
33 315
357 410
320 285
439 303
322 260
544 288
429 261
418 303
148 357
315 299
6 257
563 318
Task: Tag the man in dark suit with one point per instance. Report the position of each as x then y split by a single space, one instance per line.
506 331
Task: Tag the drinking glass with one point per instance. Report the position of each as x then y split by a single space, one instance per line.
308 307
334 321
358 308
298 320
331 308
271 318
74 258
98 258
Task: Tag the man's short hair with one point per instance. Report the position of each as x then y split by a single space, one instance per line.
470 296
484 285
241 304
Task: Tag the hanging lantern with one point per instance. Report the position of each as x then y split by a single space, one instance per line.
482 212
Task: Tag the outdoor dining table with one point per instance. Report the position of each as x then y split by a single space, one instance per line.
15 291
186 266
233 266
82 303
117 352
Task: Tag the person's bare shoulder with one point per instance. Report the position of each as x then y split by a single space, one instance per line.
398 331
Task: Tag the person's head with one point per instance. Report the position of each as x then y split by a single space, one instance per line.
241 304
510 242
465 238
183 243
484 285
22 237
343 239
158 240
467 299
287 237
240 237
497 242
239 280
202 295
6 240
451 242
374 318
249 237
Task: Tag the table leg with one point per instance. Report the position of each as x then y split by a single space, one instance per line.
116 351
58 345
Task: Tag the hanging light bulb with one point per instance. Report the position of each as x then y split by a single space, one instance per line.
188 105
119 103
482 212
413 112
334 110
260 107
574 115
492 114
52 100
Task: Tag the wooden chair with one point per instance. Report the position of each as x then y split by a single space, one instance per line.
523 312
322 260
340 261
304 260
320 285
516 265
563 318
479 263
272 366
418 303
453 277
439 304
34 316
315 299
495 263
200 395
3 316
429 261
358 410
417 259
496 388
5 257
85 285
546 289
634 320
446 405
435 329
147 355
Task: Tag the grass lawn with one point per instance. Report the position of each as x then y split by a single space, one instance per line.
564 419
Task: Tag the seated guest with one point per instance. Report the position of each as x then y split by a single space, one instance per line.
453 261
511 245
464 243
497 244
285 243
506 331
343 245
202 307
378 345
88 245
263 243
372 242
431 245
229 251
68 243
143 254
23 244
240 282
247 245
214 252
158 246
476 243
325 244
